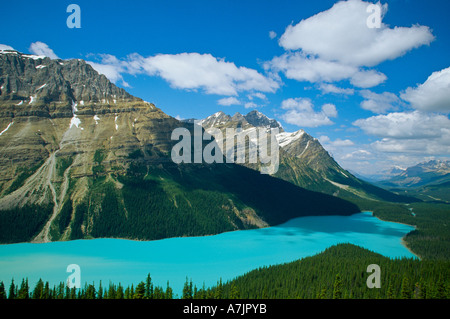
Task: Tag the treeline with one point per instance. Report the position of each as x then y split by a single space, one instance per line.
143 290
340 272
22 224
431 239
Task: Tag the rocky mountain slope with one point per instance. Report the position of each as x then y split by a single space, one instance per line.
429 181
303 160
426 173
82 158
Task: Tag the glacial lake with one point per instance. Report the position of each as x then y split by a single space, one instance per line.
203 259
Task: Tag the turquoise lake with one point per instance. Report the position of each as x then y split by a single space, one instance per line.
203 259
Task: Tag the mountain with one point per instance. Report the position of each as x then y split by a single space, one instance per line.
82 158
428 181
303 161
426 173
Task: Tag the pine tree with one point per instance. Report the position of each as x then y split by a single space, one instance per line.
38 292
188 292
337 290
234 292
390 292
46 292
2 290
119 292
100 291
23 291
169 292
219 290
405 292
148 288
140 291
12 289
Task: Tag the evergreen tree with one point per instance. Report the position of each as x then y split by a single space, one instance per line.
337 291
234 292
12 290
111 291
38 292
169 292
2 290
148 288
46 292
219 290
390 292
100 291
418 293
140 291
188 292
119 292
405 292
24 290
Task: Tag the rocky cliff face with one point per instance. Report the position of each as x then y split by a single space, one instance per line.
62 123
302 159
82 158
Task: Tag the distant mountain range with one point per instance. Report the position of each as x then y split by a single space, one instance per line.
82 158
428 180
426 173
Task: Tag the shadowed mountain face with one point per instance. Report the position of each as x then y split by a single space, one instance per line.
302 159
82 158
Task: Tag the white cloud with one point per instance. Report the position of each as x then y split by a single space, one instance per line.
337 44
341 34
358 155
379 102
409 132
405 125
41 48
331 88
272 34
5 47
259 95
112 72
432 95
250 105
367 79
329 110
194 71
226 101
300 112
300 67
327 142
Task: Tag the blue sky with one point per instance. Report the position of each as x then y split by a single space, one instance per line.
374 97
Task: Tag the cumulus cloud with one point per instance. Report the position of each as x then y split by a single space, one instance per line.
331 88
300 112
337 44
194 71
379 102
409 132
341 34
272 34
327 142
41 48
226 101
432 95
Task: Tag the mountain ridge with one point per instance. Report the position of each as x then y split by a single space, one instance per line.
93 161
303 160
